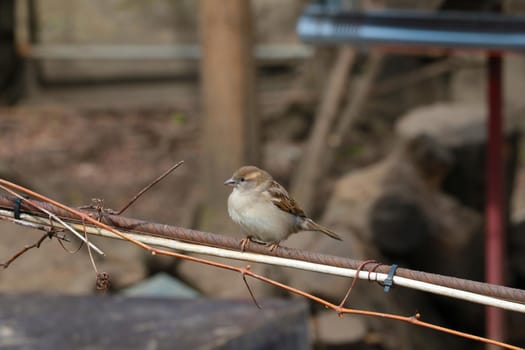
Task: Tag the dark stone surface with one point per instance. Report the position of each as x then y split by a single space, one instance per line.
399 225
466 179
107 322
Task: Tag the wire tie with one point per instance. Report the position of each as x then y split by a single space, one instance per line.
389 281
16 207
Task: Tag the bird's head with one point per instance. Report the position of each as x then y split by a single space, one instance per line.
248 177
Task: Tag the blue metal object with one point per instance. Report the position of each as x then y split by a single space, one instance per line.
323 24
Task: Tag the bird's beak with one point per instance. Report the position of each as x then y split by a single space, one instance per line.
230 182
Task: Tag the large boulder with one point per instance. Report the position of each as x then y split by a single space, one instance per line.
461 129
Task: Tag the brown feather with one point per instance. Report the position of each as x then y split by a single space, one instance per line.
311 225
280 198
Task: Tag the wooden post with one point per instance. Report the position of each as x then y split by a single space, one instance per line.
229 137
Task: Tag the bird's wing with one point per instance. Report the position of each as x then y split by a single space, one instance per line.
282 200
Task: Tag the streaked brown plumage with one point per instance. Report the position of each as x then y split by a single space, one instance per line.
265 210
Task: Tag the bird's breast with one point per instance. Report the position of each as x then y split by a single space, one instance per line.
259 217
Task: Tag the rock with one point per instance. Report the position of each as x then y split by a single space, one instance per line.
161 285
450 124
399 225
395 209
461 129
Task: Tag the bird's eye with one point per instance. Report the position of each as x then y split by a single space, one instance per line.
242 179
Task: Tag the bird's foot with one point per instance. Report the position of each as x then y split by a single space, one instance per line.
244 242
273 245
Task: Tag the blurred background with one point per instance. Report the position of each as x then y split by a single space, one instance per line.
385 147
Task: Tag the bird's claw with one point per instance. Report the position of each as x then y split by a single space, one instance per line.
244 242
273 245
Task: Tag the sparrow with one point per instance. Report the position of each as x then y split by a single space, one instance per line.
264 210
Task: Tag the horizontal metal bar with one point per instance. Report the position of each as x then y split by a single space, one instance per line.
453 30
282 52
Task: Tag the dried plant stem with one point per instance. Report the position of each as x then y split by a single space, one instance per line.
51 215
82 216
153 183
25 250
89 252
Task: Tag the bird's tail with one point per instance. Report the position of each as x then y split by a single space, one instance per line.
311 225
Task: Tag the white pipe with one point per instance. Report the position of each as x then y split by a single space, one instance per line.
297 264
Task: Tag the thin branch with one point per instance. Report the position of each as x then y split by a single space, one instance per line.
26 248
354 281
79 214
157 180
50 215
73 251
89 251
243 274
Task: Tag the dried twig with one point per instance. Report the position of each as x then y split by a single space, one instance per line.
141 192
73 251
51 215
80 215
89 251
354 281
50 234
243 274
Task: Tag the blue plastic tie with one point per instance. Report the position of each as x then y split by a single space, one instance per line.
16 207
389 281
